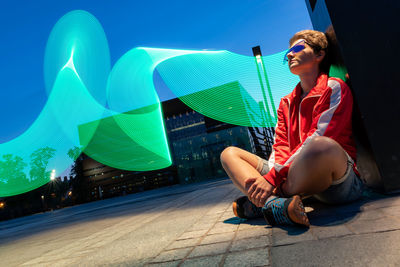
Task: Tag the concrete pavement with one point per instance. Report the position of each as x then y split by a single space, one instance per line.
193 225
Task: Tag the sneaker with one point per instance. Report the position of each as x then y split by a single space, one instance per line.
244 208
285 211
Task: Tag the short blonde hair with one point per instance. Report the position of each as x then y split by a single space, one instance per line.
316 39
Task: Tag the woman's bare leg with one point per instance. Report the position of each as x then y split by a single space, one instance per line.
319 163
240 165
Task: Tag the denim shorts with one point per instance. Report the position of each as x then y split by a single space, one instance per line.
348 188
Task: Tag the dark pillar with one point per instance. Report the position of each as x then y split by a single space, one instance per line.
368 35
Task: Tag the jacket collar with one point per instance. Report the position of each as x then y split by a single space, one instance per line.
318 89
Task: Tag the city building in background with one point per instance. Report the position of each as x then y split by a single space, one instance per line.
195 141
103 181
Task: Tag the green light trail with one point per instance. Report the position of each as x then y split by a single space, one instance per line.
114 115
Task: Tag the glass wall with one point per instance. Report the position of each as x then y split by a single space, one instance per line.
196 151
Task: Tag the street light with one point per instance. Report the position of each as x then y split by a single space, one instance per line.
53 175
268 132
262 71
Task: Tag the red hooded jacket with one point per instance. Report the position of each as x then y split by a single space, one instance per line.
325 111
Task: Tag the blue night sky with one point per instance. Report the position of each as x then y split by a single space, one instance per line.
235 25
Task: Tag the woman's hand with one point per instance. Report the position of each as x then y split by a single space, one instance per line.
258 190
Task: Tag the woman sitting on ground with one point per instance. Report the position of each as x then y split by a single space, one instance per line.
313 152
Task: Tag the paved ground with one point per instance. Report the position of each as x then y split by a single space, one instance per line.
194 226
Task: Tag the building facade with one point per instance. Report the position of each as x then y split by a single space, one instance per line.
195 142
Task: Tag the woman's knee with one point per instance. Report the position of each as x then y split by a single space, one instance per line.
323 146
229 153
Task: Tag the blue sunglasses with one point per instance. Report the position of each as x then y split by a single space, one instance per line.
295 49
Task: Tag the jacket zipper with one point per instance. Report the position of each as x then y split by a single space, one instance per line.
301 140
288 123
